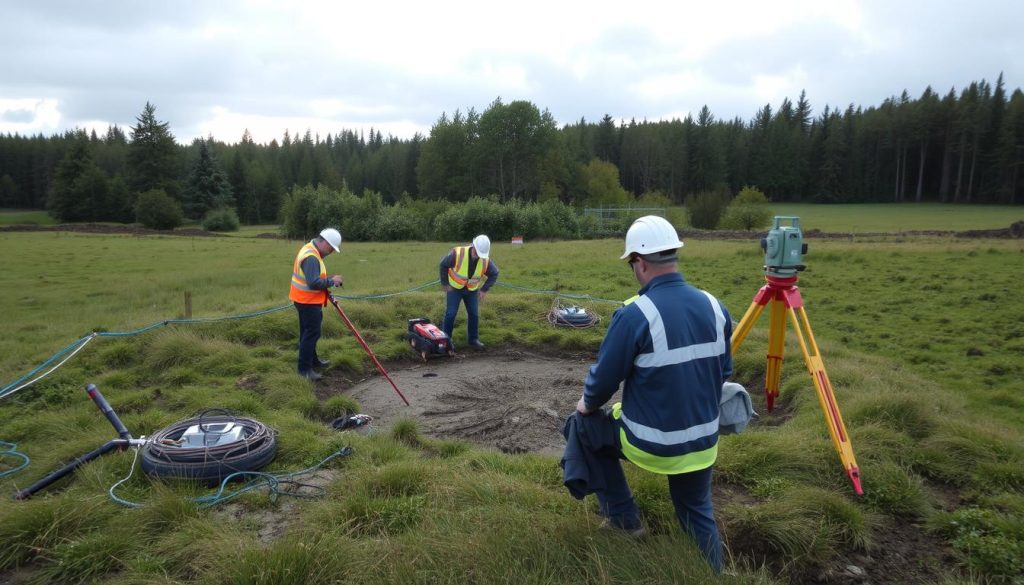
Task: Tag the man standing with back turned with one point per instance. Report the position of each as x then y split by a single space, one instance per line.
671 345
466 274
309 293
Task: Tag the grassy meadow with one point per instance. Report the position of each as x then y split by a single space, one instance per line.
923 338
25 216
900 217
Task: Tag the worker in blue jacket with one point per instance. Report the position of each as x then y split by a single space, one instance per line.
671 346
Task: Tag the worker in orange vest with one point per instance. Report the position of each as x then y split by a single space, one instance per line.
466 274
309 293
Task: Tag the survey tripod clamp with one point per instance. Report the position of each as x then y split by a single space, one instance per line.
784 249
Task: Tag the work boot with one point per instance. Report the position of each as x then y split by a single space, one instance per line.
636 532
311 375
477 345
322 363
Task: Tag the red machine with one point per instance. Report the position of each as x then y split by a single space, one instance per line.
428 340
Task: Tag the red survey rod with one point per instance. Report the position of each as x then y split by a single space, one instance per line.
369 352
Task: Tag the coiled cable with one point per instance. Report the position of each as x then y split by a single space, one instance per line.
165 455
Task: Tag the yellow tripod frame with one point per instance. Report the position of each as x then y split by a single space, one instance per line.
783 296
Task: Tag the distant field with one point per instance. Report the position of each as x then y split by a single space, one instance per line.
34 217
875 217
897 217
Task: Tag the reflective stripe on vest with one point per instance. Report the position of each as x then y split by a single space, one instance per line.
666 465
300 291
458 275
662 355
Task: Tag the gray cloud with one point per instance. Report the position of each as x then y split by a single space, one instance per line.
203 62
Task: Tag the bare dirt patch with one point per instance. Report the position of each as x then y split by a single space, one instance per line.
512 400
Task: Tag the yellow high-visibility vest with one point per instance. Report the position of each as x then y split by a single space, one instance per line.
458 275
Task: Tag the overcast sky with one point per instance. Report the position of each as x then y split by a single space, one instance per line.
219 67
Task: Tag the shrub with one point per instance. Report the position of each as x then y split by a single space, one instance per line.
654 199
222 219
748 210
398 223
156 210
705 209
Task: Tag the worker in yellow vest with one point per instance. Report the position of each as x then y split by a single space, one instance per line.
466 274
309 292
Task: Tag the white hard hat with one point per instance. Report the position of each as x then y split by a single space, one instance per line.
332 237
483 246
651 234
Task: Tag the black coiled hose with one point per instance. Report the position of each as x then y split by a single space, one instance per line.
163 455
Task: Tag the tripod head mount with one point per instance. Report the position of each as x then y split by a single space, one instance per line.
784 248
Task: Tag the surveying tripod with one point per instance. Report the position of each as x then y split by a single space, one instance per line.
782 294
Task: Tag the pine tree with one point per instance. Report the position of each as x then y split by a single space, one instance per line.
152 155
208 187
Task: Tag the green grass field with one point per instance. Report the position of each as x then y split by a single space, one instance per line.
31 217
900 217
922 337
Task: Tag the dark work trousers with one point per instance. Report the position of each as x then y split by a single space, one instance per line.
691 497
310 319
472 301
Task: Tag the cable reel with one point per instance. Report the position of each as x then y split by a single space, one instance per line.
571 316
209 447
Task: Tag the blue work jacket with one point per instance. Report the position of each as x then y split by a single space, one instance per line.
671 346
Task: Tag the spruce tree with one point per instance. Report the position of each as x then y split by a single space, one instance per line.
208 187
152 155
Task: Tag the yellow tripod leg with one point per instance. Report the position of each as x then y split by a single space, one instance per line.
746 324
776 351
829 405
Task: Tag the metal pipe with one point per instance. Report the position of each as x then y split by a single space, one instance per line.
107 411
71 467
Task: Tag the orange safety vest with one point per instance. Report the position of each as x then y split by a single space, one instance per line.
458 275
300 291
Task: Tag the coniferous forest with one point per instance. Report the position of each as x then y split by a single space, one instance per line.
963 146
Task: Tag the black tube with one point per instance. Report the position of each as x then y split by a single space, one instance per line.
108 411
71 467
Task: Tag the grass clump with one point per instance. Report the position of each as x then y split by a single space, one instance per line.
892 489
406 431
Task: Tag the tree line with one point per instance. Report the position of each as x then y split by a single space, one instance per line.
963 147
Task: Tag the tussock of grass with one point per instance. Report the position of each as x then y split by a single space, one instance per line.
893 489
783 531
340 405
34 528
911 415
406 431
88 557
533 468
119 354
286 562
767 455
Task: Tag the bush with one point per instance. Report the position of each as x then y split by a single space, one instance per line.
307 210
654 199
705 209
747 211
399 223
222 219
156 210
